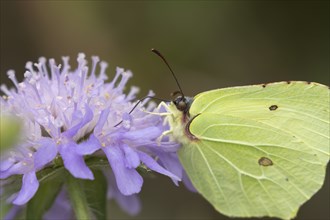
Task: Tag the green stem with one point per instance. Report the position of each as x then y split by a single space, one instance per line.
78 198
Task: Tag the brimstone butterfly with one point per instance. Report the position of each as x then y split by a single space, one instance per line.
254 151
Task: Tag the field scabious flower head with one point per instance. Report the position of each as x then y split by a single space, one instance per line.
68 114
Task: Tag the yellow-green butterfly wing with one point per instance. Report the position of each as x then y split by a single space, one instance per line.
258 150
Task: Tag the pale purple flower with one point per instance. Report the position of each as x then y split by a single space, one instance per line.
69 114
21 162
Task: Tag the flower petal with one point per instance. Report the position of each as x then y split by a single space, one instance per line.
130 204
171 147
74 162
141 134
18 168
128 180
153 165
132 159
88 147
187 183
170 162
30 186
87 118
102 120
45 153
6 164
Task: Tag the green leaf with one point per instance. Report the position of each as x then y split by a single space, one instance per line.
89 197
44 198
96 192
78 198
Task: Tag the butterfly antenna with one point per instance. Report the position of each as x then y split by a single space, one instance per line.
141 100
163 58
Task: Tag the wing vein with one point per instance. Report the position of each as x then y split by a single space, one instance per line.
213 176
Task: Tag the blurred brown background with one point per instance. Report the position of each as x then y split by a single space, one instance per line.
209 45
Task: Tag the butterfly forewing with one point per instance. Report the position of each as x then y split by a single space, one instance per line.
298 108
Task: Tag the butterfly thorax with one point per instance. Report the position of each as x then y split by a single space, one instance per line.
179 118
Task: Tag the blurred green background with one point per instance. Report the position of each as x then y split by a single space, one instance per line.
209 45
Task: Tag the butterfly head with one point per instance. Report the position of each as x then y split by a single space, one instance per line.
183 103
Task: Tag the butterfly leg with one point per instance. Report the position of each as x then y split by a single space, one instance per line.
159 139
162 104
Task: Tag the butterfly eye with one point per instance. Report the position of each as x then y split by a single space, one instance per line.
181 105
